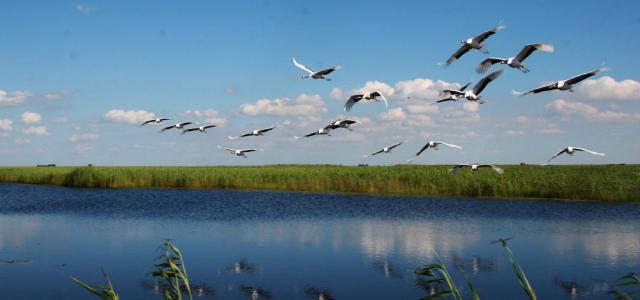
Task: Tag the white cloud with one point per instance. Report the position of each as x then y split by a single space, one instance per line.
352 137
538 125
512 132
14 98
61 120
128 116
57 95
211 116
302 106
88 136
393 115
566 109
336 94
31 117
36 130
422 88
83 8
231 90
5 125
607 88
21 141
83 148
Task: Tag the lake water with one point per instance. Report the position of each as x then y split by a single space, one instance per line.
296 245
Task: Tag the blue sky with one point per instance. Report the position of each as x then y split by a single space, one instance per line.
77 76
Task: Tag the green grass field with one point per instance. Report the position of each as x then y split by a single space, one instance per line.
619 183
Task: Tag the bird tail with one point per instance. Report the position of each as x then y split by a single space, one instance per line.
232 137
219 147
499 170
516 93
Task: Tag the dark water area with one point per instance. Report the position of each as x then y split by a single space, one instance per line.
297 245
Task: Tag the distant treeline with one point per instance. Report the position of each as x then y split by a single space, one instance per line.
576 182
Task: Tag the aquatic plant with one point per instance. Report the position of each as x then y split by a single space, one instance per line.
575 182
173 272
438 283
624 287
103 292
522 278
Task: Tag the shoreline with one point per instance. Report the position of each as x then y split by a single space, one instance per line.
589 183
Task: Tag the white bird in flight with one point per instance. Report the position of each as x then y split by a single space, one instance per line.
474 94
571 150
375 96
385 149
562 85
322 131
156 120
516 61
342 123
177 126
452 95
475 167
201 129
240 152
475 42
433 145
313 74
255 132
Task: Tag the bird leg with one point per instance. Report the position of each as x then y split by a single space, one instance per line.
483 51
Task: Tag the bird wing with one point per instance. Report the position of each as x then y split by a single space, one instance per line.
248 150
327 70
167 128
352 100
450 145
581 77
384 99
209 126
558 154
230 149
164 119
464 87
185 123
456 168
543 88
147 122
485 81
461 51
587 150
497 169
425 147
263 130
528 49
487 63
483 36
189 130
375 153
396 145
311 134
443 100
301 66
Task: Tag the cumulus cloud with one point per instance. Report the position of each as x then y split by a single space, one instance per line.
422 88
607 88
231 90
30 117
566 109
128 116
88 136
83 8
36 130
210 116
57 95
14 98
538 125
512 132
6 125
393 115
21 141
302 106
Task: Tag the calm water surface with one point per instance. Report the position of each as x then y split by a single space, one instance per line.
295 245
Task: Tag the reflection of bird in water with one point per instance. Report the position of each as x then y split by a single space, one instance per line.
255 293
386 267
198 290
314 293
241 266
477 264
575 290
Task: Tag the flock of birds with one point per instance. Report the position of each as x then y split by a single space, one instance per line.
474 43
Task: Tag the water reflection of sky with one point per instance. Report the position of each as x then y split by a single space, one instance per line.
344 246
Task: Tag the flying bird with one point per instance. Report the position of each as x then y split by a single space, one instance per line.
434 145
375 96
474 94
313 74
201 129
475 167
255 132
516 61
157 121
562 85
322 131
240 152
342 123
385 149
452 95
571 150
475 42
177 126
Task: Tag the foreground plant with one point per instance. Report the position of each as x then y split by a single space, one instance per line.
104 292
628 281
522 278
438 282
173 272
